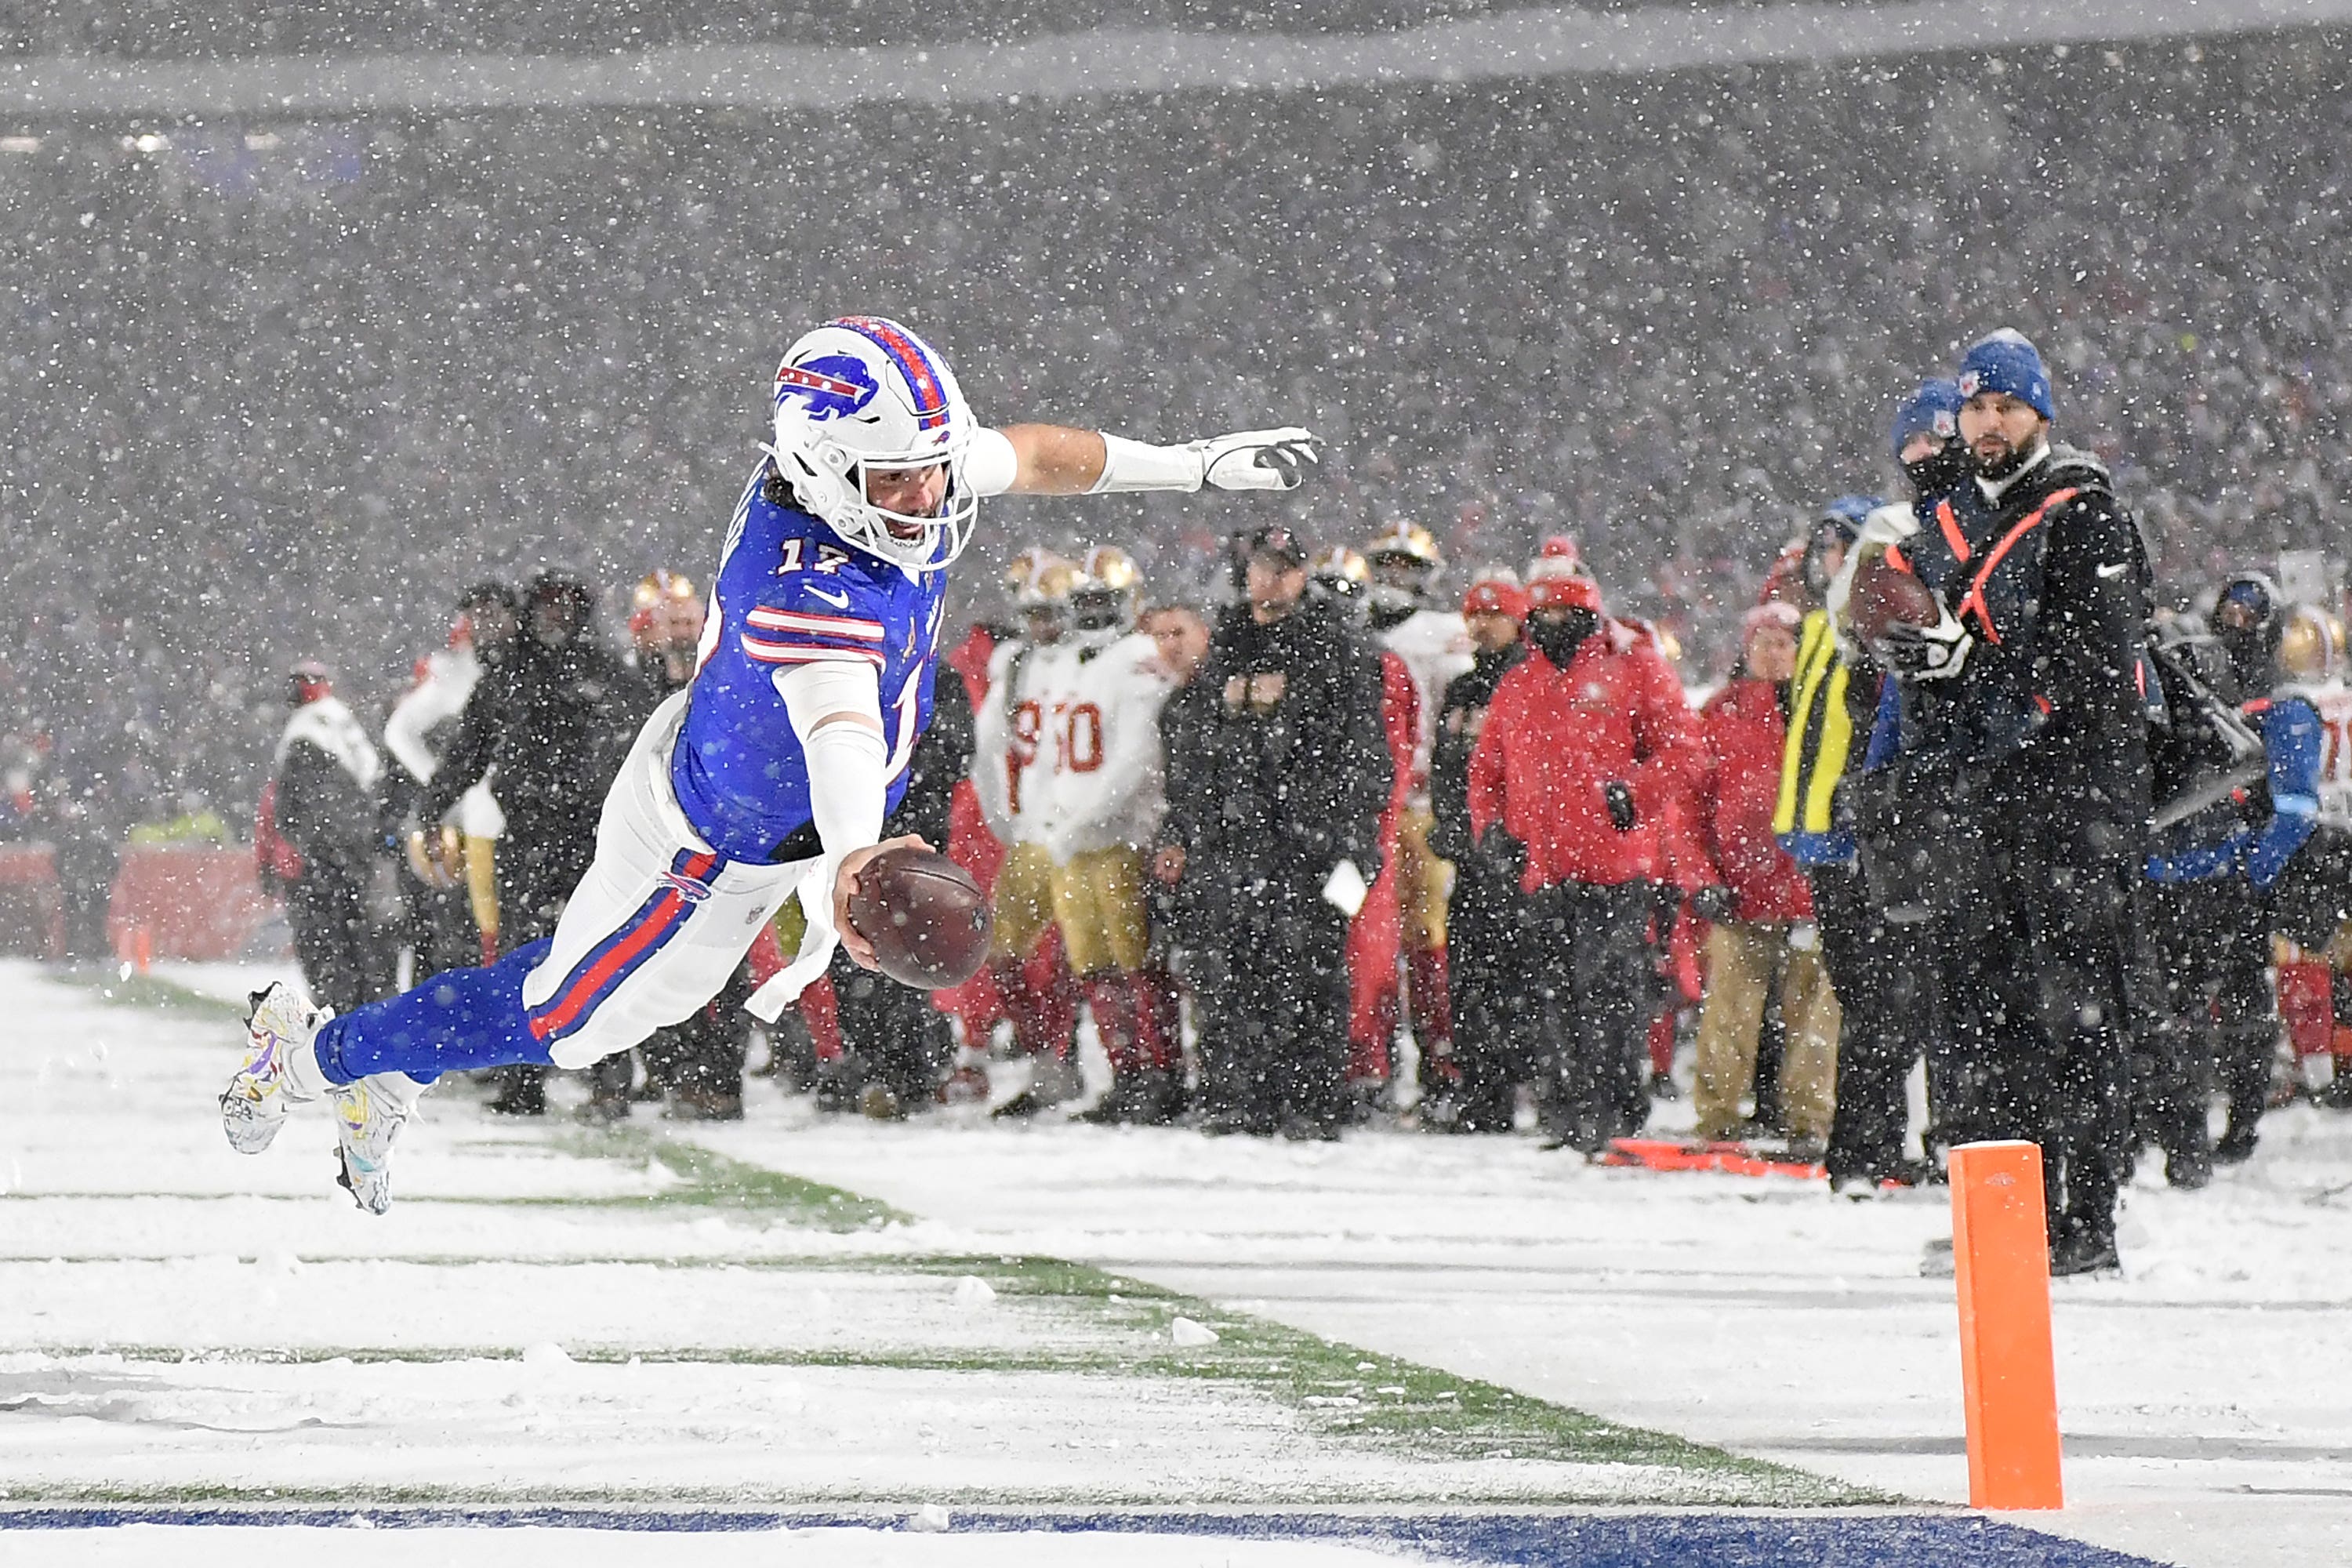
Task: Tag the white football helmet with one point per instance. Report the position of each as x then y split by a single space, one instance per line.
1403 559
1107 589
865 393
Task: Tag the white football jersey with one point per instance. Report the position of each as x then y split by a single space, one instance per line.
1435 647
1006 734
1098 767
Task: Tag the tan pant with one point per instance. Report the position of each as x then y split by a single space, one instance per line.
1099 904
1739 959
1024 901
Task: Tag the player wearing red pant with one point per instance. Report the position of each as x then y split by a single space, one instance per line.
1038 994
1424 647
1099 774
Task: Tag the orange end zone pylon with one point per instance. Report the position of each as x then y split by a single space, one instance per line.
2001 1257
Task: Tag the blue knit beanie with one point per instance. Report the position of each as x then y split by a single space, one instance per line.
2007 361
1933 410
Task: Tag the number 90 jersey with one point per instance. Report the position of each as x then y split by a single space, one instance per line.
789 593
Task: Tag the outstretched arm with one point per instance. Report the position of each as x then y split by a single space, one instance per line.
1058 460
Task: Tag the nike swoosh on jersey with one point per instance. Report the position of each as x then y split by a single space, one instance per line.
2117 570
838 601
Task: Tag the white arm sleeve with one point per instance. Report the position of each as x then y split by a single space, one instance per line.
1136 466
846 790
990 465
846 761
441 696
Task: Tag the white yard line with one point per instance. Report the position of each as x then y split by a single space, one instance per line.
142 1546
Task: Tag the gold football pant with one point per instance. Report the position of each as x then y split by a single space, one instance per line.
1024 901
1099 904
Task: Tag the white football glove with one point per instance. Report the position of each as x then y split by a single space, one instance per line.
1928 653
1257 460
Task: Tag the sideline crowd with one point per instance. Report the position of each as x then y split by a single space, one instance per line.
1348 843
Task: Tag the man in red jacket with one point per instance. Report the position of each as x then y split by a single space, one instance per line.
1576 783
1758 902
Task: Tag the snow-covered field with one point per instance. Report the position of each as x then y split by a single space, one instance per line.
814 1313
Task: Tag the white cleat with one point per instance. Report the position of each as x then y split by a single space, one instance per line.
279 1071
368 1115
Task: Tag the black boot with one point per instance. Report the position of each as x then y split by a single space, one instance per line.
1159 1099
2188 1168
2237 1142
1115 1107
2083 1249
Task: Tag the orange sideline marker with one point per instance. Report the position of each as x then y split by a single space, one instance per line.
2000 1258
142 949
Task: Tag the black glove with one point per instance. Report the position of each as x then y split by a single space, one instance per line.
1927 652
1506 854
1714 904
1620 797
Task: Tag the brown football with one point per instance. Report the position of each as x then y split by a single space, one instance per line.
928 920
1883 596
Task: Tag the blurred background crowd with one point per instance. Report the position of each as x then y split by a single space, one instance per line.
284 387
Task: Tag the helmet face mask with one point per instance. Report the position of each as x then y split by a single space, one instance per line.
1039 581
1398 584
860 403
1404 562
1104 595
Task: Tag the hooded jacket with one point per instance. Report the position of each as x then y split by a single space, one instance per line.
1555 739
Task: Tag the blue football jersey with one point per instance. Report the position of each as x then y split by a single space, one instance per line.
790 592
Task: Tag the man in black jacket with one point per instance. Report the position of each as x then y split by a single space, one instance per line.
550 724
2024 716
1492 1054
326 779
1275 811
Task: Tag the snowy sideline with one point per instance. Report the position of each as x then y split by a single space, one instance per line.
2200 1392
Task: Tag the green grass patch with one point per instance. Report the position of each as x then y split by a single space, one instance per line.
150 991
1347 1394
1356 1396
708 1180
1344 1395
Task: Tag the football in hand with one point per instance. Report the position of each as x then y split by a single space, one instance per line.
1885 595
926 918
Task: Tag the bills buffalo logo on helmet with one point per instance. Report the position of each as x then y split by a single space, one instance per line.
830 386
